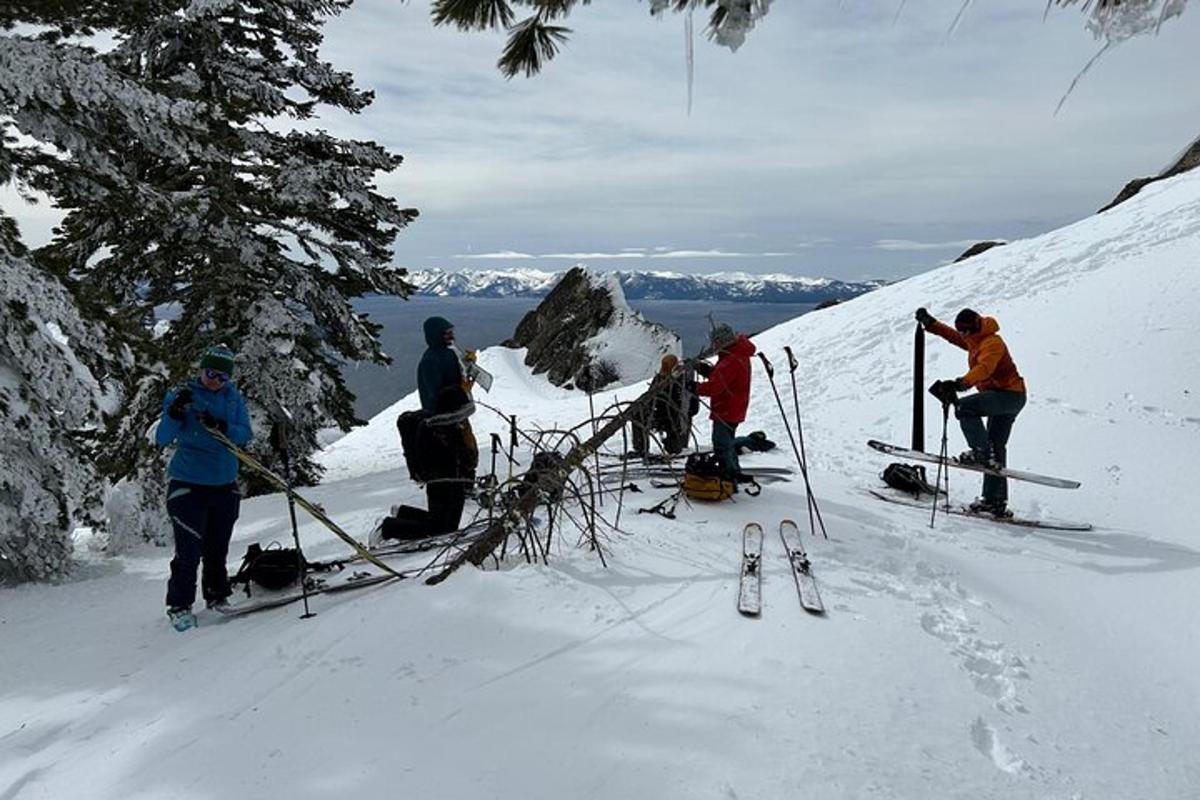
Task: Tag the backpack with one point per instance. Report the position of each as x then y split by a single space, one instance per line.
704 478
408 424
271 568
907 478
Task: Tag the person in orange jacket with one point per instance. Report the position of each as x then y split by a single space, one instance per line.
1000 396
728 388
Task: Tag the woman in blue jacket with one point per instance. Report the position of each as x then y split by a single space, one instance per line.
202 493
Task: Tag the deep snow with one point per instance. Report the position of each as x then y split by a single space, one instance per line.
969 660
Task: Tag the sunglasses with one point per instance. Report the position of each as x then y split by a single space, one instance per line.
215 375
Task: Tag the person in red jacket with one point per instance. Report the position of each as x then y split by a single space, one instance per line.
1000 396
728 389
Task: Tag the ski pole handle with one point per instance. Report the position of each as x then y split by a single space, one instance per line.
767 364
792 362
495 443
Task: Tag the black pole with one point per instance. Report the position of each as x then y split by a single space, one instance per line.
788 427
512 444
793 364
279 442
918 420
942 457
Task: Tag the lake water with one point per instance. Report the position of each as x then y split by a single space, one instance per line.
483 322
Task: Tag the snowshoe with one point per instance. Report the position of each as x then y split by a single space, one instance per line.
181 618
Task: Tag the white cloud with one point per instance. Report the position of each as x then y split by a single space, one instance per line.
908 245
502 255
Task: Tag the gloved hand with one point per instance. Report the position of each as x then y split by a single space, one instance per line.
961 385
179 406
213 422
702 368
924 317
471 356
946 391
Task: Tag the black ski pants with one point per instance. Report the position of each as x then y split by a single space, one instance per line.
446 500
203 518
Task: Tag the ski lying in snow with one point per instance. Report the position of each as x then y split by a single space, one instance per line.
750 585
358 580
963 511
806 585
1015 474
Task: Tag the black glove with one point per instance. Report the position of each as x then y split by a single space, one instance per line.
961 385
179 406
925 318
213 422
702 368
946 391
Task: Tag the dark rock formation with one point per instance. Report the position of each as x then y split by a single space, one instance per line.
557 335
976 249
1190 159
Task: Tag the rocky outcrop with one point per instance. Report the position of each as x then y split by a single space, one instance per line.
976 249
1189 159
584 334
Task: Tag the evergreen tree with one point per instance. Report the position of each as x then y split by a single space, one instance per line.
259 239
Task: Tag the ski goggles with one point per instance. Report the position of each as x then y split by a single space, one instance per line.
215 375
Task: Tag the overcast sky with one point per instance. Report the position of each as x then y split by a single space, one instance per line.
840 140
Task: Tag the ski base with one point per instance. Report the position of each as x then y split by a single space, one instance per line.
962 511
806 585
930 458
750 585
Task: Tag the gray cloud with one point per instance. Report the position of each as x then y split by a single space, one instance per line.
836 124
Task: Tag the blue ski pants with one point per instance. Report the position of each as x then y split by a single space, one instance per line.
203 518
723 436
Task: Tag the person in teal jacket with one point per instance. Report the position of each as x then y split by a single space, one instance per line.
202 492
439 366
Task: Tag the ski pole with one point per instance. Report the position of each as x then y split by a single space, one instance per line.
788 427
943 454
279 442
812 499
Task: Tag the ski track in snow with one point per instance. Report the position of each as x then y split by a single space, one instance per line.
965 660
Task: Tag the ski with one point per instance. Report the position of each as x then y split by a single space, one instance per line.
963 511
357 580
750 584
1015 474
806 585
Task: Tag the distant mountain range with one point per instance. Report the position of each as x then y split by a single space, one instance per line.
727 286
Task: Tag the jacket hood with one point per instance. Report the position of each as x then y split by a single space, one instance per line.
742 347
435 329
987 327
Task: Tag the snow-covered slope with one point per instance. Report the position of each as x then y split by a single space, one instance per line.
967 660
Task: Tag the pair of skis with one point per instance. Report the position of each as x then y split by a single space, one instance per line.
750 583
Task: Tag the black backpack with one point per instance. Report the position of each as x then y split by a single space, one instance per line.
409 424
271 568
908 478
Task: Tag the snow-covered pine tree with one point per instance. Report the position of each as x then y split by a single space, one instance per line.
262 237
57 379
65 121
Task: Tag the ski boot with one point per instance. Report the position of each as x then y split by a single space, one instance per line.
997 510
978 458
181 618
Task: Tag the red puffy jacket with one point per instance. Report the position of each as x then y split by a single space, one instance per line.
728 384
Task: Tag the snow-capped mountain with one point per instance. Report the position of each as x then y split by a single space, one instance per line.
650 285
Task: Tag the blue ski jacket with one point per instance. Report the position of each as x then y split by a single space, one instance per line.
199 457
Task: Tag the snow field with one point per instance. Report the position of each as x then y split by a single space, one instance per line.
967 660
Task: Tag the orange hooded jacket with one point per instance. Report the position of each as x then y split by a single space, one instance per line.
989 364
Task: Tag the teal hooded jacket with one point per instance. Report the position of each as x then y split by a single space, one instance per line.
439 365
